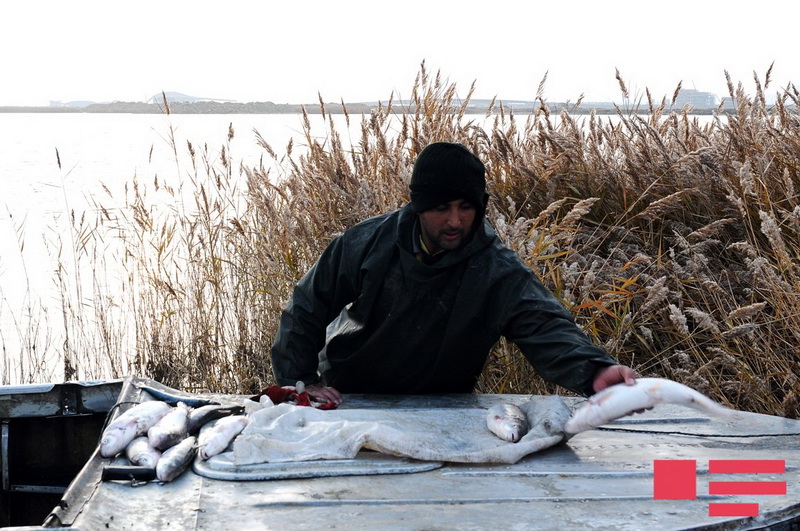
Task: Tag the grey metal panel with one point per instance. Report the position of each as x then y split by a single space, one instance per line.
26 389
58 399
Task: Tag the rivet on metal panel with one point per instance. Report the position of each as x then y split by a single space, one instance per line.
68 401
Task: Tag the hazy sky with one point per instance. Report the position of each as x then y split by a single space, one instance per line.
289 51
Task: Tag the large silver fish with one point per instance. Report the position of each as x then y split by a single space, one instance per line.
129 425
171 429
215 439
176 459
140 453
507 421
620 400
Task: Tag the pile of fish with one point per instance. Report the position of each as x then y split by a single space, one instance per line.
158 436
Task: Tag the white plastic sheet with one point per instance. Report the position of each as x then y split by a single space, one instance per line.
287 433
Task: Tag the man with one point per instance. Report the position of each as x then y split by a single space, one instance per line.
412 301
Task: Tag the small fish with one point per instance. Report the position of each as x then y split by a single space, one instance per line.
215 439
171 429
129 425
199 417
140 453
622 399
507 421
176 459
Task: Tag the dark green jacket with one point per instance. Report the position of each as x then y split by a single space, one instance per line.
414 328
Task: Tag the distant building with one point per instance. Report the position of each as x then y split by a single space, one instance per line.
696 99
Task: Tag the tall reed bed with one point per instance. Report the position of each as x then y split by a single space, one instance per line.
674 243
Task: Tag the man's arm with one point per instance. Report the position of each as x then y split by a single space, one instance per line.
553 343
317 298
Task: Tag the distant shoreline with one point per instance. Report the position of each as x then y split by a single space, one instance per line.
213 107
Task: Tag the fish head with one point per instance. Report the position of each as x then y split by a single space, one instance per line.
109 441
515 431
114 441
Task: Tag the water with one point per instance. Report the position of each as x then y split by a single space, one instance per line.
98 154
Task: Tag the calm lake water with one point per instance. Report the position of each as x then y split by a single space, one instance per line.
99 152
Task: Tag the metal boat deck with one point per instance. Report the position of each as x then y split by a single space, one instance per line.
603 478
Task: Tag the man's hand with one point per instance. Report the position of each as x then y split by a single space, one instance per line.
324 394
608 376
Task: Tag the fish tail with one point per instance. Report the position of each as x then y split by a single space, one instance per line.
685 395
711 407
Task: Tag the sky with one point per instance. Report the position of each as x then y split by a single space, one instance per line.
364 50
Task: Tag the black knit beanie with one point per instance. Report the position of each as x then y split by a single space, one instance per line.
444 172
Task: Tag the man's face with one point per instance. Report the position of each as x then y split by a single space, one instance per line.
447 226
